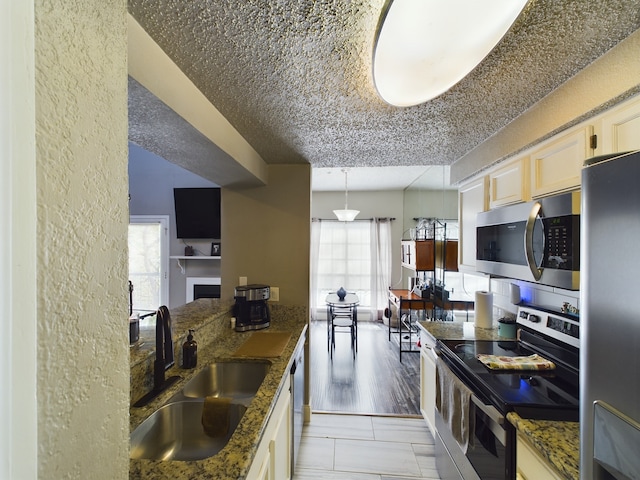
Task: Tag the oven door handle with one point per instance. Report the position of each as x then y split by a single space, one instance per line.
489 410
496 420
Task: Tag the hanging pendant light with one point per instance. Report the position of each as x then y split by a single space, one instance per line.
346 215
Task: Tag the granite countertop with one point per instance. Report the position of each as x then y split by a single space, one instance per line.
557 442
235 459
192 315
458 331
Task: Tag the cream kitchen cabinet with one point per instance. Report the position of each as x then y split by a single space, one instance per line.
273 457
530 465
557 165
428 380
473 198
509 183
621 128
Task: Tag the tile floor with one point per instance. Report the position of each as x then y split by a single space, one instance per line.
361 447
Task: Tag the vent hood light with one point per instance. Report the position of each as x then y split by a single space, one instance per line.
424 47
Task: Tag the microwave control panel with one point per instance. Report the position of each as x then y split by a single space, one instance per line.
562 234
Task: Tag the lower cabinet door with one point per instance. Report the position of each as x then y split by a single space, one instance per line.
428 380
264 471
428 387
530 465
281 455
273 456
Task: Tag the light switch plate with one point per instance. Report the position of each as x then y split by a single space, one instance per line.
242 281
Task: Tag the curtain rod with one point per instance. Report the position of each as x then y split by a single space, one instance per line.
315 219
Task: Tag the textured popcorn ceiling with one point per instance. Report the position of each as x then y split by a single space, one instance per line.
294 76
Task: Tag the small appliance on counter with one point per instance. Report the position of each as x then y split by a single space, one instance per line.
251 309
134 329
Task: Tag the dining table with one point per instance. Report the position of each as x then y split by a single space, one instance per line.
333 301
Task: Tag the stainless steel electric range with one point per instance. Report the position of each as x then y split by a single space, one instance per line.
488 451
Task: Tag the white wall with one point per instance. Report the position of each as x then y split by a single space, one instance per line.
440 204
18 367
151 183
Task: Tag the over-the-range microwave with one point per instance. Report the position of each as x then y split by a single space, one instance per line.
536 241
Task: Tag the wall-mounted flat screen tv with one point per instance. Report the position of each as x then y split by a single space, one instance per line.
197 212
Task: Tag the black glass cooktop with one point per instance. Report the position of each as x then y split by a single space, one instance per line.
535 394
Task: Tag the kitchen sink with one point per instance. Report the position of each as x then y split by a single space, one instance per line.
175 432
238 380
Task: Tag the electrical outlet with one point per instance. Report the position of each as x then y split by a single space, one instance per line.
242 281
274 295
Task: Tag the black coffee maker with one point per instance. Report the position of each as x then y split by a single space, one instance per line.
251 309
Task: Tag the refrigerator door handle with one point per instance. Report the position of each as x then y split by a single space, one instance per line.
536 270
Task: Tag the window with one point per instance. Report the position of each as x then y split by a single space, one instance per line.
356 256
148 262
344 260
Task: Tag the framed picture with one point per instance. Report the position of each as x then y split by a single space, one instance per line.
215 249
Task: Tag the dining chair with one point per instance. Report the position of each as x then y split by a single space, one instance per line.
344 318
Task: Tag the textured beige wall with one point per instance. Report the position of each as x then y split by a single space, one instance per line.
266 234
82 217
613 77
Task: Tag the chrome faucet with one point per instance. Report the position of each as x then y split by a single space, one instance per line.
164 357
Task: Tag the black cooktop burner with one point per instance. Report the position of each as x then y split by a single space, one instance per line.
551 394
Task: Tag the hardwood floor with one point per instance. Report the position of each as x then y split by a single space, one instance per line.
374 383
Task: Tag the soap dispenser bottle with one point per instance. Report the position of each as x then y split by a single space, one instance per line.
190 352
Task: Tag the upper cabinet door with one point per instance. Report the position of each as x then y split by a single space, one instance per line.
473 198
509 184
621 128
557 165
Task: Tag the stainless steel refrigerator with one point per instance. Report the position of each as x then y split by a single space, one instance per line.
610 318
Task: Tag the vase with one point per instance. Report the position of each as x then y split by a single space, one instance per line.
341 293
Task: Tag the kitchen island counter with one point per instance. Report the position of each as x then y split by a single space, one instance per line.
235 459
556 442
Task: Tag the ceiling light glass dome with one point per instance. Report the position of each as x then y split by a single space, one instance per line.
424 47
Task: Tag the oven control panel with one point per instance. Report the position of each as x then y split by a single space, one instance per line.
553 325
564 326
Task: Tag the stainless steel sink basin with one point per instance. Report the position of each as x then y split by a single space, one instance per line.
175 432
238 380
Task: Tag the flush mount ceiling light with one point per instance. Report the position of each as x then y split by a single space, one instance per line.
346 215
424 47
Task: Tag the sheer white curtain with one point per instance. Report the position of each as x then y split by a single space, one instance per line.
380 266
354 255
313 282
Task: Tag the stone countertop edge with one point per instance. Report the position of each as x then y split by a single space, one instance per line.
557 442
458 331
234 460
